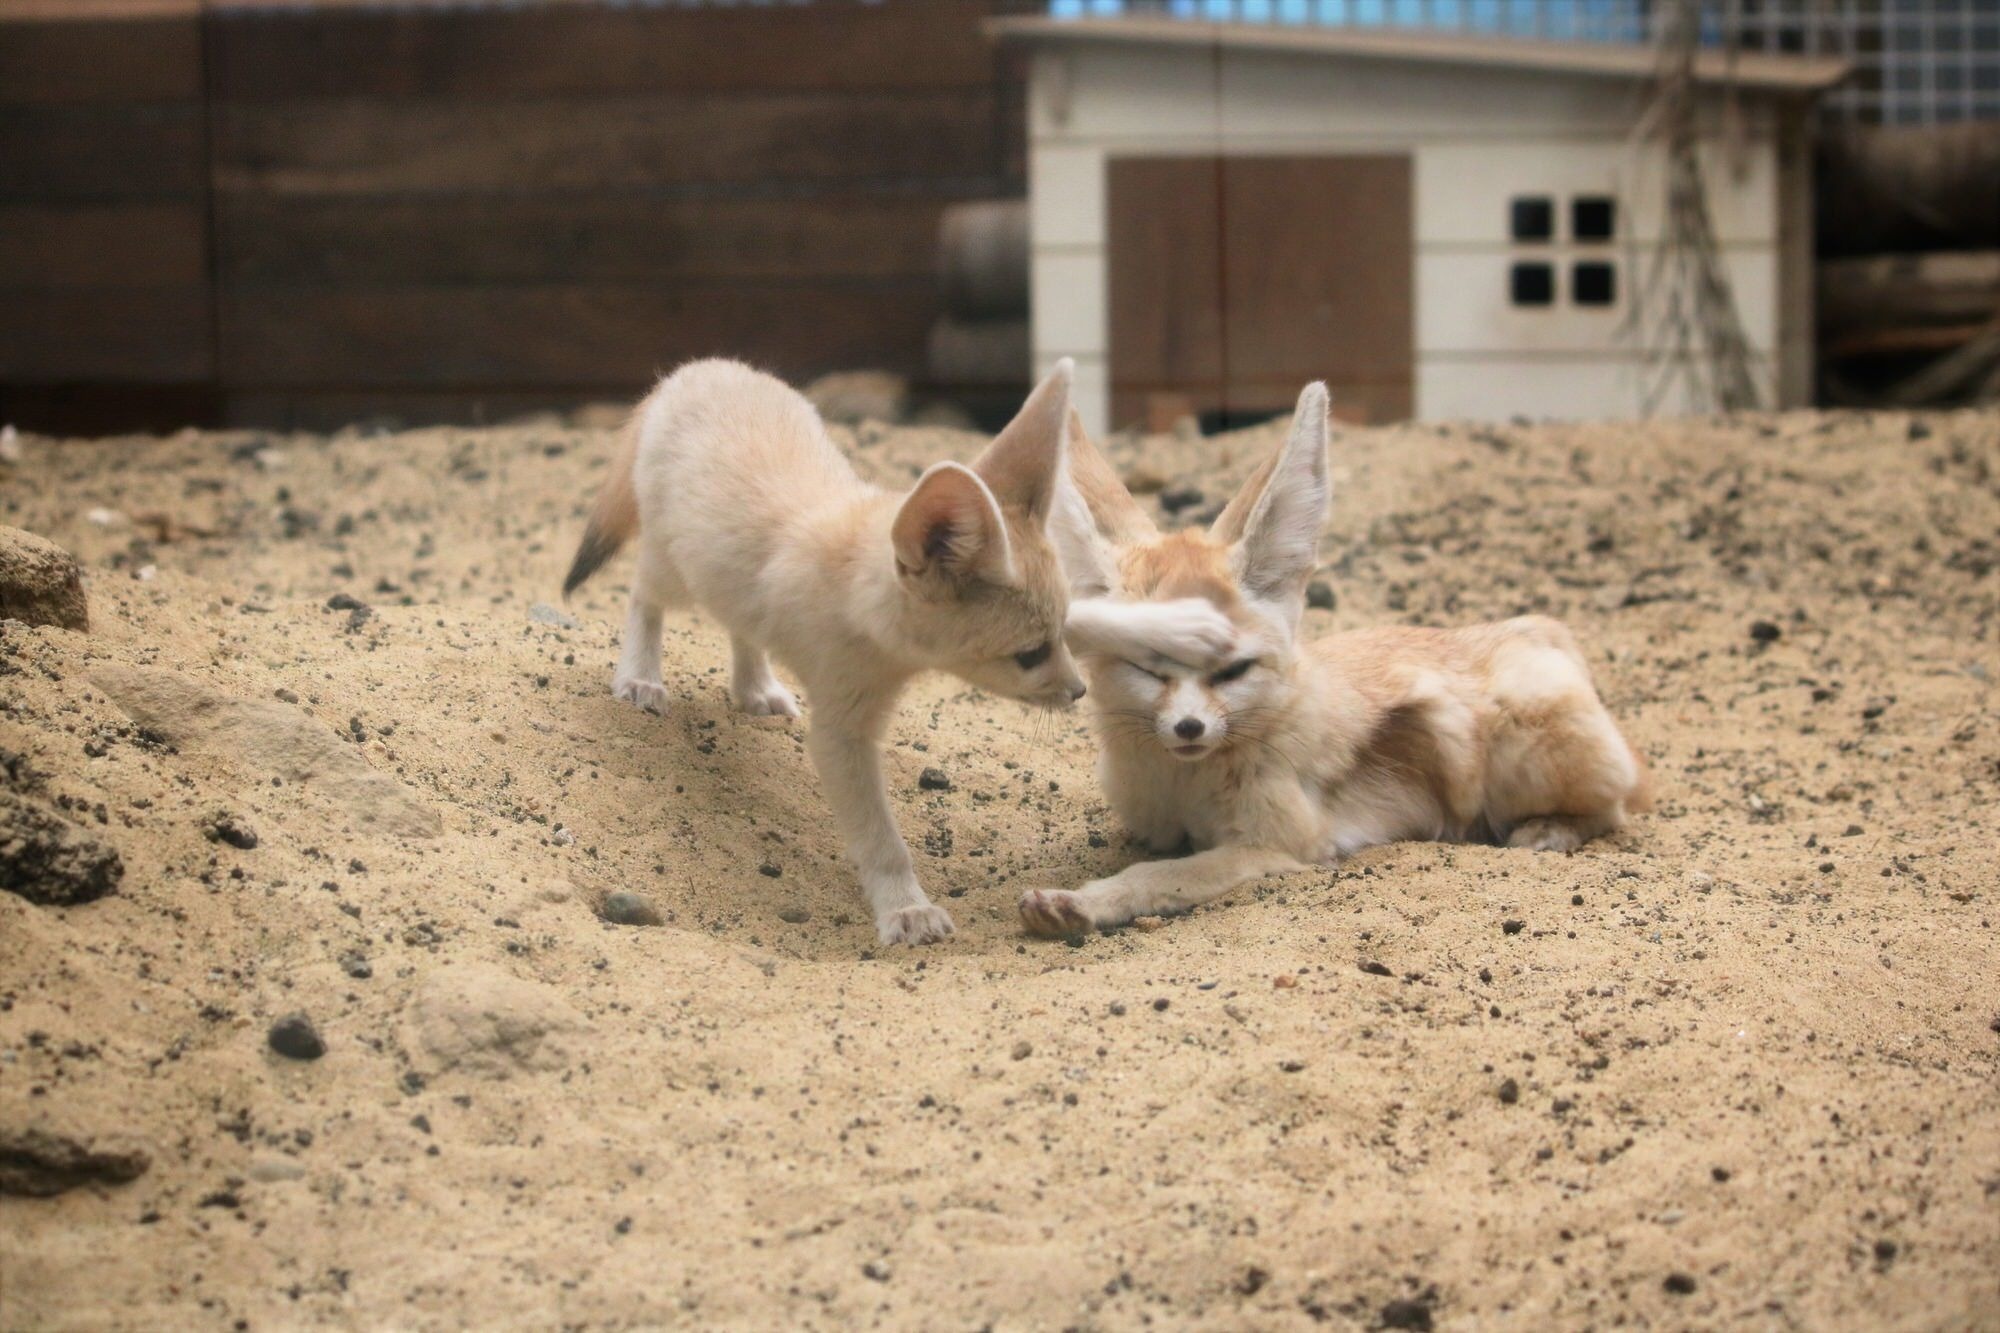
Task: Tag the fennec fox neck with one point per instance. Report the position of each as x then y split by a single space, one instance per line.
1291 755
742 504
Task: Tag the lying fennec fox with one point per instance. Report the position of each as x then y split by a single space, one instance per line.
743 504
1303 754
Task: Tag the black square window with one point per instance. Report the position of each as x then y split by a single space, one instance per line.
1534 284
1592 217
1533 218
1594 283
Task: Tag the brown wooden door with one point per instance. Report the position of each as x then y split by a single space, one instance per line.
1234 281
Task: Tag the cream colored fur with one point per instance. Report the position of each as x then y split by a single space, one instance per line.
742 504
1303 754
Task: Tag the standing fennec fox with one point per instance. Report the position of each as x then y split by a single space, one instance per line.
1293 755
742 503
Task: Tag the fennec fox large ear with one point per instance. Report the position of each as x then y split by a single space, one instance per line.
1274 522
1094 515
1025 460
950 526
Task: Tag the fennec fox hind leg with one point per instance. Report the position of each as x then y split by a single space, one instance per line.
637 677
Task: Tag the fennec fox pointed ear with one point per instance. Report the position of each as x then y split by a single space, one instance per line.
1024 460
950 525
1274 522
1094 514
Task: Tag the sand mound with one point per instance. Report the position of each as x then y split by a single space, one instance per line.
1737 1064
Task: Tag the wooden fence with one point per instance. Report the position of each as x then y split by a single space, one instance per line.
290 213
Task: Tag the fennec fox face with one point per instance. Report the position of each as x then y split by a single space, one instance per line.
1194 714
985 597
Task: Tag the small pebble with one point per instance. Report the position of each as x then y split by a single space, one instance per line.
1513 927
1023 1049
875 1271
1765 631
228 828
794 916
1680 1284
630 909
934 779
295 1038
1510 1092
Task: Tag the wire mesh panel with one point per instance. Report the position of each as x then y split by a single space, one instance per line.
1915 61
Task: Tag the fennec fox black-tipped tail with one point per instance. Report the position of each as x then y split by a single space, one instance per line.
615 516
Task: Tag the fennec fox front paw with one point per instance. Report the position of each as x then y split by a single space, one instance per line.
915 925
772 700
650 695
1053 914
1190 631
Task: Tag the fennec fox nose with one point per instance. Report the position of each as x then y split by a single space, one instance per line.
1076 690
1189 728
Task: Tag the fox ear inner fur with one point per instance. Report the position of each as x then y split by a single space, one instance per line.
1025 460
949 524
1275 533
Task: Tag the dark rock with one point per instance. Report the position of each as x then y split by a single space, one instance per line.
1513 927
1680 1284
48 860
40 1163
1023 1049
1510 1092
630 909
1319 595
40 582
1161 1004
794 916
357 967
934 779
1406 1314
770 870
295 1038
875 1271
342 601
1375 969
225 827
1176 498
1765 631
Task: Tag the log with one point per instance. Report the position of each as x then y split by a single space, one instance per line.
1907 292
1931 187
979 352
983 255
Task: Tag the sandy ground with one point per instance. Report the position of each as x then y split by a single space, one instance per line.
1738 1067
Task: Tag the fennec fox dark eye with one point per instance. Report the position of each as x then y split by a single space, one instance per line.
1034 657
1234 671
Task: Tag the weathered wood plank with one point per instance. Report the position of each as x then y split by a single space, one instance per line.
148 335
75 154
149 59
615 337
103 245
400 241
368 147
489 54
